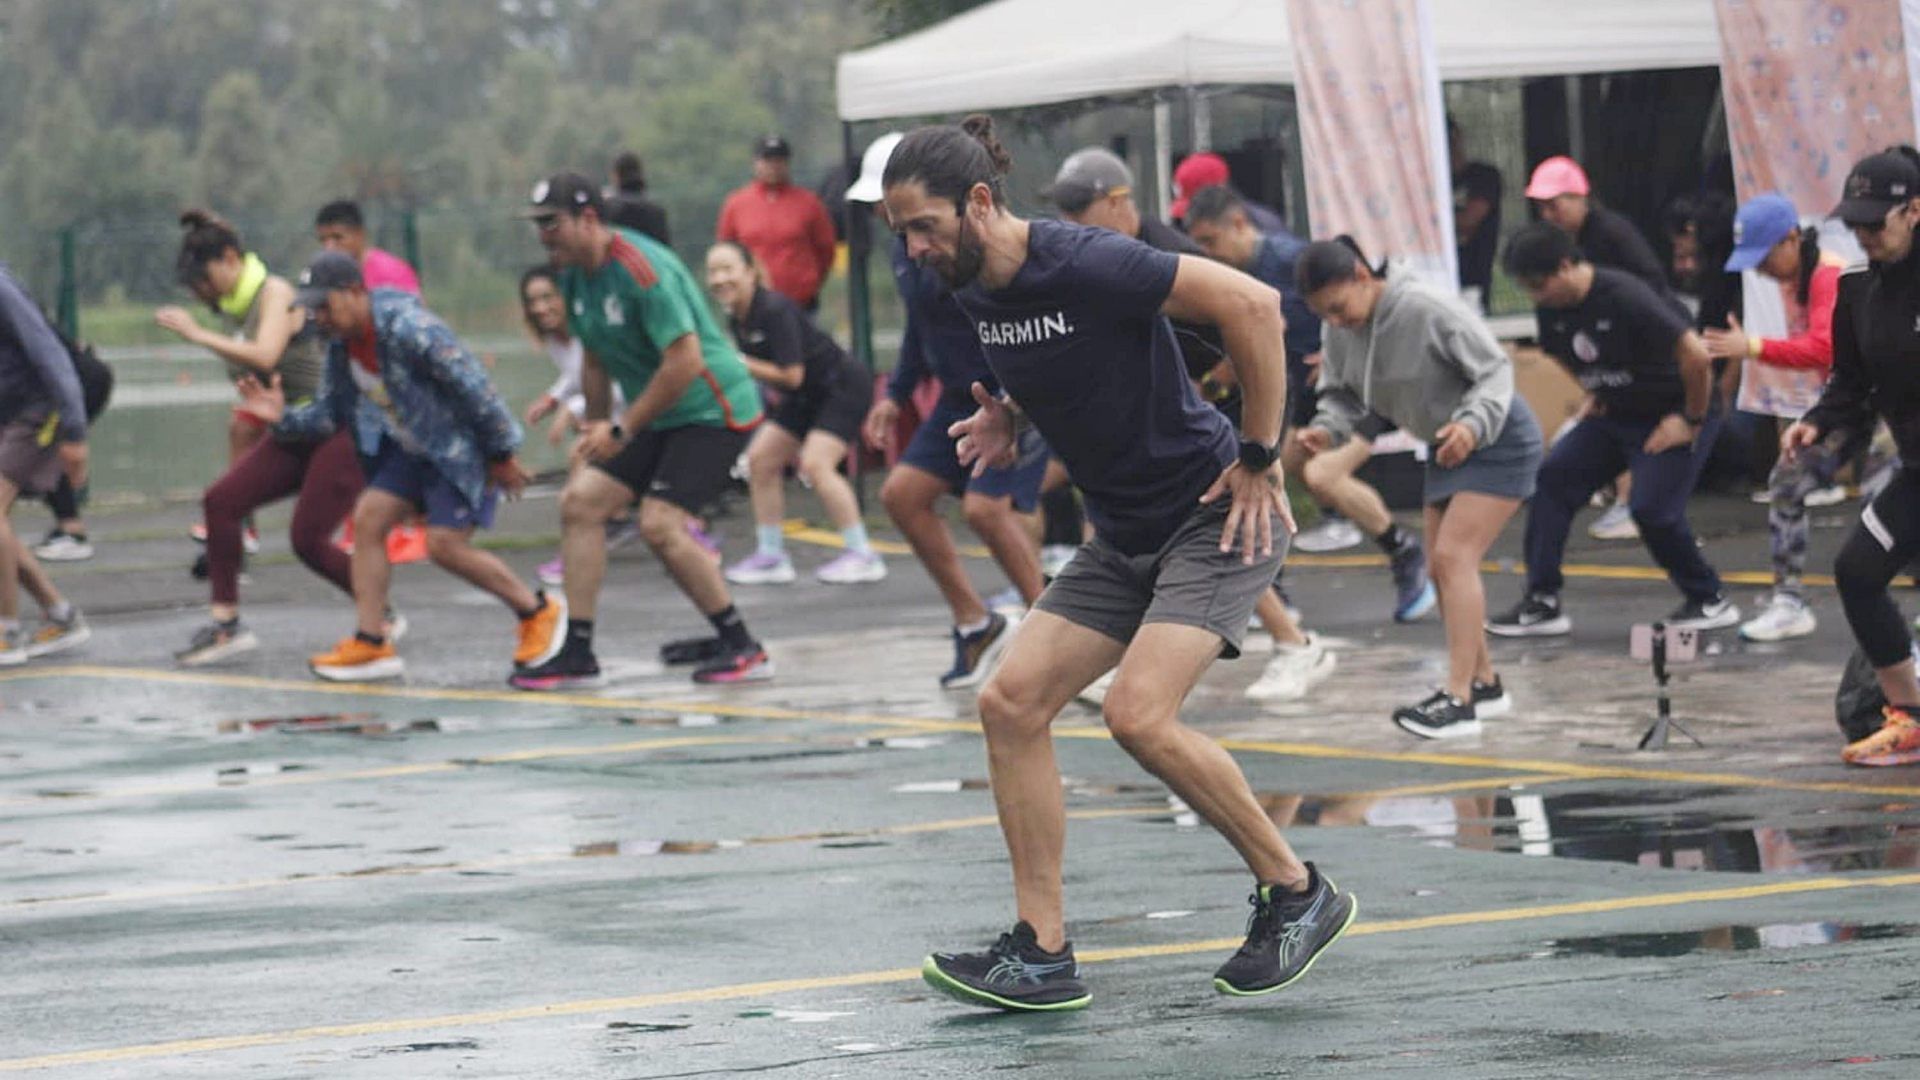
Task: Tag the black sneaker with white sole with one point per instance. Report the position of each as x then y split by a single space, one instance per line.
1016 974
1490 699
1715 614
1286 933
1441 716
1537 615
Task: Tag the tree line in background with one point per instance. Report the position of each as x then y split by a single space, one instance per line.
120 112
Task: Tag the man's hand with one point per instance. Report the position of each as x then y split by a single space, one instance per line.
1798 436
1728 344
880 421
1257 499
509 476
73 458
264 401
1314 440
1673 430
596 442
177 319
986 439
1452 443
541 407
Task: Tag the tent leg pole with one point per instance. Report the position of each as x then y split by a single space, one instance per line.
1163 153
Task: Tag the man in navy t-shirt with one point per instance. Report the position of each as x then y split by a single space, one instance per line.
1189 529
1650 411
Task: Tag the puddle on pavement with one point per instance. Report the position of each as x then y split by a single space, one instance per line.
430 1047
1690 830
645 1027
1725 939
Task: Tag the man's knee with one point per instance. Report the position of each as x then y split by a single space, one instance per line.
984 513
1011 707
583 502
816 468
901 496
661 523
1139 725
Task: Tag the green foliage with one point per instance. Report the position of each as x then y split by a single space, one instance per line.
896 17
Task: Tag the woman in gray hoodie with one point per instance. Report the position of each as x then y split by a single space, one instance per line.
1419 356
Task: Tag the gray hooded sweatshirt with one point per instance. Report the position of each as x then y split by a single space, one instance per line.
1424 360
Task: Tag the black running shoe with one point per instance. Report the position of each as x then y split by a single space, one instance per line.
1536 615
1715 614
1490 699
1285 935
1441 716
748 664
1413 592
696 650
1016 975
569 669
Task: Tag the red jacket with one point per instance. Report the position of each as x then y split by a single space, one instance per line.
1811 328
788 231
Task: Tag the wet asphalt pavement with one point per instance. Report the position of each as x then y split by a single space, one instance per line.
238 872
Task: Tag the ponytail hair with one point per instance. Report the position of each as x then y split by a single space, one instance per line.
949 160
208 237
1328 262
1809 262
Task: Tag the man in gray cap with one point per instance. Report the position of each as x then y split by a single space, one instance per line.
1094 187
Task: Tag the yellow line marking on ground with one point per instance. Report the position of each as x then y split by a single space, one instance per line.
921 724
780 987
801 532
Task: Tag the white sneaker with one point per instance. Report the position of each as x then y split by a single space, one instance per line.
1096 692
1831 495
1761 496
1331 534
13 647
1785 616
1054 558
1293 671
55 636
853 568
1615 524
63 547
761 568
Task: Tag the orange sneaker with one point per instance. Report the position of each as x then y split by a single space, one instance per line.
354 660
1896 743
542 633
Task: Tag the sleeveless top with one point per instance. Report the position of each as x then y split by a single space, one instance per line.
300 365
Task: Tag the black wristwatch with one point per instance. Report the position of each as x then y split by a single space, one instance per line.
1256 456
619 433
1698 422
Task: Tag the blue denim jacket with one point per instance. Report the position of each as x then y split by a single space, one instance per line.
440 404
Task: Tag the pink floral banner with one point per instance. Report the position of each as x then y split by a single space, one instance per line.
1811 87
1372 128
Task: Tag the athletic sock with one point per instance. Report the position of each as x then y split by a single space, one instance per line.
61 612
539 605
579 634
375 640
855 536
1394 539
770 539
731 628
969 629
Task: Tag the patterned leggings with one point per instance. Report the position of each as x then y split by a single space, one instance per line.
1789 485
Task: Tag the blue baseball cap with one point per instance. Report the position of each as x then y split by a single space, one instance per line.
1764 221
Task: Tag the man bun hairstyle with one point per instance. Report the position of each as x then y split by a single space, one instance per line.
1538 250
949 159
208 237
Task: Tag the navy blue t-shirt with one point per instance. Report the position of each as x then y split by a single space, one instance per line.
1273 263
1079 343
939 338
1618 343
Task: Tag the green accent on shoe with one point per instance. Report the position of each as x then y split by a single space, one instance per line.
961 992
1225 987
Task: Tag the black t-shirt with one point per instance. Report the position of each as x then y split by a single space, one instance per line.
1079 343
1619 343
1478 180
639 213
1201 348
777 331
1608 239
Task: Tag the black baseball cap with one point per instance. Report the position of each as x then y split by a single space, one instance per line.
328 271
772 146
565 192
1876 185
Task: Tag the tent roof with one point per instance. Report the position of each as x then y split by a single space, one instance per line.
1013 53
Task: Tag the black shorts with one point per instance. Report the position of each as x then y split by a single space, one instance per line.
686 466
839 408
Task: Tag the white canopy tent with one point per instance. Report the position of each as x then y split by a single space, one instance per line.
1014 53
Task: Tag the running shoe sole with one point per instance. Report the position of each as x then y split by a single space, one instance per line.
1353 909
79 636
967 995
1768 634
557 682
244 642
763 577
876 572
1553 627
1726 618
1465 729
1425 602
391 668
757 672
1494 707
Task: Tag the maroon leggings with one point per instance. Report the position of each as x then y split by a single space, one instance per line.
327 476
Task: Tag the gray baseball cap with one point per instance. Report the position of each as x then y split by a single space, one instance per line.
328 271
1087 175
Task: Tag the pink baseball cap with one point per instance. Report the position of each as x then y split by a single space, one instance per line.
1195 172
1559 175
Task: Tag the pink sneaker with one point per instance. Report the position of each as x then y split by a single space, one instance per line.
761 568
552 572
852 568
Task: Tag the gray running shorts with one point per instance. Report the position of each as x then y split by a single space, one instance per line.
1188 582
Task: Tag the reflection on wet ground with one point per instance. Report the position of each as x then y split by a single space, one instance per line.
1665 829
1726 939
